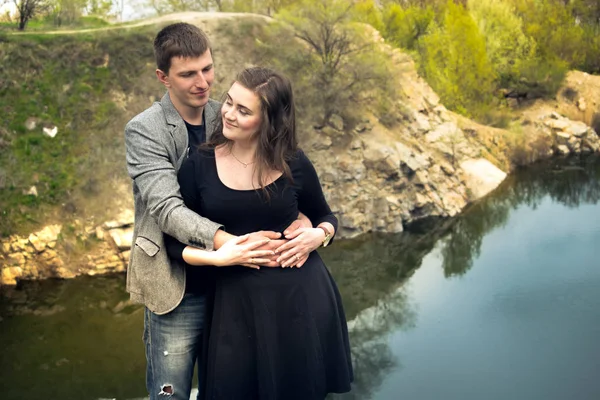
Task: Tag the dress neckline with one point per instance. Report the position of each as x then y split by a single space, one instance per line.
238 190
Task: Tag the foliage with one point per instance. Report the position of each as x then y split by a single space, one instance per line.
405 26
27 9
343 61
455 63
554 28
508 48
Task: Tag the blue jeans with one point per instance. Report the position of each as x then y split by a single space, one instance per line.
173 343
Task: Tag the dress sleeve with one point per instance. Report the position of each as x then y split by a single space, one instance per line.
311 200
189 192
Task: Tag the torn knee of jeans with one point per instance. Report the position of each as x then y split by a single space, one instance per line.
166 390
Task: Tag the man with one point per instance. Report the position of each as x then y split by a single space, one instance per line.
157 141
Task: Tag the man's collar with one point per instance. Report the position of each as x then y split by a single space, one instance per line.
171 114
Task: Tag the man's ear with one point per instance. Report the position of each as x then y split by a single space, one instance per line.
163 78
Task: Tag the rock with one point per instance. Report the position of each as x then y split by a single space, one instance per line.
411 161
336 122
10 275
581 104
125 218
322 143
5 247
578 129
17 258
50 131
356 144
31 123
37 244
481 176
563 149
49 233
422 123
125 256
562 137
32 191
421 200
555 115
362 127
446 129
558 124
382 159
100 233
396 226
122 237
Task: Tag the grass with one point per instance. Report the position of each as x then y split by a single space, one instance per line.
69 82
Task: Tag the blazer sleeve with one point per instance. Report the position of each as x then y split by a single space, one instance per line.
311 200
187 178
152 171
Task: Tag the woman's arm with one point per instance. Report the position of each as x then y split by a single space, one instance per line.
311 201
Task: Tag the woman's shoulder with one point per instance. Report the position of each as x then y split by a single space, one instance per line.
298 158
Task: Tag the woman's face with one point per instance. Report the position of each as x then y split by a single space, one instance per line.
241 114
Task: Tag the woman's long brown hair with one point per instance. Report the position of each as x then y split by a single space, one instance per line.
277 141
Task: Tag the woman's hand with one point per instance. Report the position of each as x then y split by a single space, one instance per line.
238 251
302 242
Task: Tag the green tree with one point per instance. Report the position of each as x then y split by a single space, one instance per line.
405 26
346 67
27 9
454 61
553 26
509 50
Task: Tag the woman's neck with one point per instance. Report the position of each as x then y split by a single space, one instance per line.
244 152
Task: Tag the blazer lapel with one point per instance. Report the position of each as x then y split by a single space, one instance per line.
176 125
211 112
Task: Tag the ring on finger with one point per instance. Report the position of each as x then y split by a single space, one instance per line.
252 261
297 257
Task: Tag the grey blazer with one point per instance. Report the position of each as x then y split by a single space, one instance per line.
156 141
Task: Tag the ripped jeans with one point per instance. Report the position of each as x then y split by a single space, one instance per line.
173 344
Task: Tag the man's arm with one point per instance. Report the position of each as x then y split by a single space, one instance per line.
149 165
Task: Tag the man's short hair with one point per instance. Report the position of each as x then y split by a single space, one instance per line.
178 40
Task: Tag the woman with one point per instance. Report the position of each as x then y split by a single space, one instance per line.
276 333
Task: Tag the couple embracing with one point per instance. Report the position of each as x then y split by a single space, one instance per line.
228 215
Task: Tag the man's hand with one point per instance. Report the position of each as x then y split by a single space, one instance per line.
292 232
273 243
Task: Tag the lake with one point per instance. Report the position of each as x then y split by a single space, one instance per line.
502 302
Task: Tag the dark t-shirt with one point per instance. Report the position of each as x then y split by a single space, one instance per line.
196 136
195 281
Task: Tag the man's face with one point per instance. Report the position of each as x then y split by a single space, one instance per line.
189 81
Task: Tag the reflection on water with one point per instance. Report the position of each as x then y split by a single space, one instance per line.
412 328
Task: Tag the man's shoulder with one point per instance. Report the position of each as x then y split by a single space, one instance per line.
151 116
214 104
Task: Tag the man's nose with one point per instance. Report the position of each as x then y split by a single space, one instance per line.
201 81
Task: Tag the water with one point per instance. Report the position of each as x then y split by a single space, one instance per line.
501 303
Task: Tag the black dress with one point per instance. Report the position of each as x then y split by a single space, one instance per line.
276 333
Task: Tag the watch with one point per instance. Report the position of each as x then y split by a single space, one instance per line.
327 236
